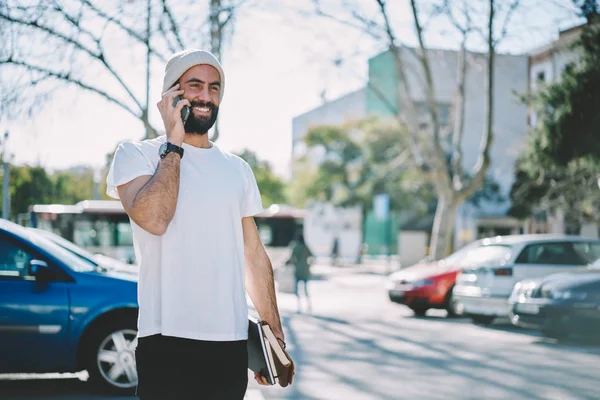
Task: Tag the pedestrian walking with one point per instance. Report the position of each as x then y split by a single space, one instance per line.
300 259
335 251
191 206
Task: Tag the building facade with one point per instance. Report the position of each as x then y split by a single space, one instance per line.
379 97
346 109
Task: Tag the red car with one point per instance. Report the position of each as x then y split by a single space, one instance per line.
429 284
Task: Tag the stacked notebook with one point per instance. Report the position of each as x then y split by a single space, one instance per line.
265 354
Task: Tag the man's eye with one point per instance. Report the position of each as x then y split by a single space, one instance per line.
215 88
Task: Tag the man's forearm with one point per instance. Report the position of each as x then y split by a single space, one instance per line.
261 288
154 205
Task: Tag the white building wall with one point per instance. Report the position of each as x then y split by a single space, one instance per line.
510 114
413 247
348 108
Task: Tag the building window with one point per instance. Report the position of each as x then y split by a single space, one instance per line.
569 67
541 76
424 117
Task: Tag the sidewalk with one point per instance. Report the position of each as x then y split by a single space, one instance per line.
253 393
372 267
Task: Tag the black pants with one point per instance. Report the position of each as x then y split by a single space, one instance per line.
305 282
171 368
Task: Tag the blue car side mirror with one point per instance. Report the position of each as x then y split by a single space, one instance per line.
40 270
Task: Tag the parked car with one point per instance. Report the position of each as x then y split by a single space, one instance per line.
60 313
560 305
101 261
429 284
483 290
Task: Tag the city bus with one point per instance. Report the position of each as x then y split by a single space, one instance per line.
102 226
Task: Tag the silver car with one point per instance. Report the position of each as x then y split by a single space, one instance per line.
482 291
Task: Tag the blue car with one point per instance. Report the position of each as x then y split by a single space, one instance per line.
62 313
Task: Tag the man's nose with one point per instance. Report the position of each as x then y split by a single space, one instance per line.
204 96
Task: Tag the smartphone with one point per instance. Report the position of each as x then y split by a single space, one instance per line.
185 111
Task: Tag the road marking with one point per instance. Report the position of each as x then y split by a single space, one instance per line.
253 394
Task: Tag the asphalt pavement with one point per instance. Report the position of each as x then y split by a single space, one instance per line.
356 345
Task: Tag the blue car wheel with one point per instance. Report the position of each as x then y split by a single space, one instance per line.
111 358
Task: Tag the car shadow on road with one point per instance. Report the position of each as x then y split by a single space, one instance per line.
578 344
67 387
444 318
568 344
501 324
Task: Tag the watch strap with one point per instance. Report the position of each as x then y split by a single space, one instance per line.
172 148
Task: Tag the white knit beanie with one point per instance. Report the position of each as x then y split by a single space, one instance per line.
186 59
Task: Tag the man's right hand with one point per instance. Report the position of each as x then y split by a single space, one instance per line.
172 115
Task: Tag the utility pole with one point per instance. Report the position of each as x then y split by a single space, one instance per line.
6 178
5 191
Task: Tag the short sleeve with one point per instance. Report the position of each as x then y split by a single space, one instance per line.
129 162
252 201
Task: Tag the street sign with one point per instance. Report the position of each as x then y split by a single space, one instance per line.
381 206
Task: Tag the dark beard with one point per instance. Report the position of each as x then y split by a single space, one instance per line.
201 125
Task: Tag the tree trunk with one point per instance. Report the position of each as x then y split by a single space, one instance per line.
459 117
216 33
151 133
148 62
443 226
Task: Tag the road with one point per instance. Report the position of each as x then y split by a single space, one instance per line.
356 345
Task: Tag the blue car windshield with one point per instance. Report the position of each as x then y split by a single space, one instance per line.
71 260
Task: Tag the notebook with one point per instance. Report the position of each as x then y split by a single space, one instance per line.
262 350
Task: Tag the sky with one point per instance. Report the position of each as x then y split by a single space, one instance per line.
279 64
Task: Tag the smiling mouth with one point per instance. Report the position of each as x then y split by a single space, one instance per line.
202 109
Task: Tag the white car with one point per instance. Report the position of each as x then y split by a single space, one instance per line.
482 291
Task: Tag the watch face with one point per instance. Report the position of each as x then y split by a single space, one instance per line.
162 149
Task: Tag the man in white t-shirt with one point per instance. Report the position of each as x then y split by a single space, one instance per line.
191 206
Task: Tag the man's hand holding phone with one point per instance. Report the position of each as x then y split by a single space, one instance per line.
172 115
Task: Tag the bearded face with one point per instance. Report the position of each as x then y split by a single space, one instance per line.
202 117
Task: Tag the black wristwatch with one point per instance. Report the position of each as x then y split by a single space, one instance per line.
167 148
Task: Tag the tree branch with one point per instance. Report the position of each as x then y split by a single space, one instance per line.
173 23
464 30
511 10
459 97
423 57
69 79
52 32
148 54
118 23
98 56
441 173
360 27
223 24
386 102
483 161
75 23
459 118
405 99
161 29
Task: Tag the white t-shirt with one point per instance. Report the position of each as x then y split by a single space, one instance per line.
191 282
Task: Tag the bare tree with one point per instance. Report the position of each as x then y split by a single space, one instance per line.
221 20
80 43
452 184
